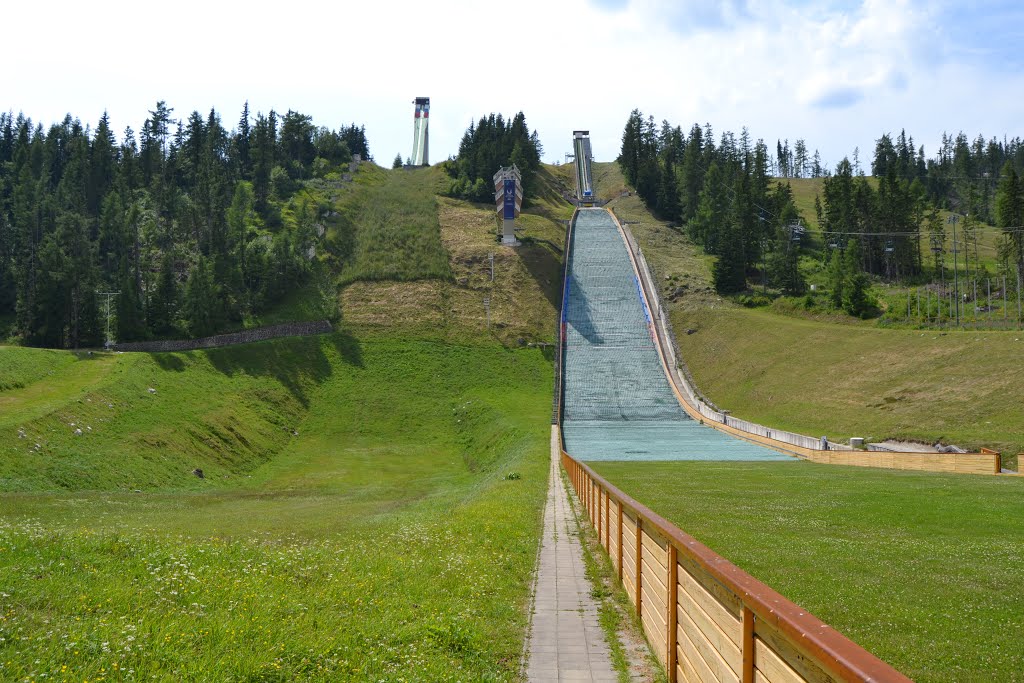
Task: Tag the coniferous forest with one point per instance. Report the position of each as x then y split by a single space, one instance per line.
486 146
733 198
194 224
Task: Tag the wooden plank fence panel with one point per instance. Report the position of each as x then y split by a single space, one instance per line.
729 600
781 647
698 669
655 549
721 669
655 632
654 581
724 619
771 667
721 642
613 532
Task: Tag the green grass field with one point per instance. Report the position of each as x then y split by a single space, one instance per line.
355 520
920 569
842 380
389 230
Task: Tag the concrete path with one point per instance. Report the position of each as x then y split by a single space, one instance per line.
566 640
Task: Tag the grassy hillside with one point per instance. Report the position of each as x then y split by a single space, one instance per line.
388 230
524 294
142 421
920 569
829 375
843 381
356 520
371 499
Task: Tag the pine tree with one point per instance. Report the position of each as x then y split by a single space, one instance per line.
397 163
691 177
1010 211
243 144
201 306
48 315
163 303
131 319
800 159
712 213
630 155
728 272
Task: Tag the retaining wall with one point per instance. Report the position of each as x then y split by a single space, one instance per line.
303 329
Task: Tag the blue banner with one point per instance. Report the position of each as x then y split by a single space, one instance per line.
510 198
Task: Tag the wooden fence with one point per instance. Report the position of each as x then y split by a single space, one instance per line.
706 619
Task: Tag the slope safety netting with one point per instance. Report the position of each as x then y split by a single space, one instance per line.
618 404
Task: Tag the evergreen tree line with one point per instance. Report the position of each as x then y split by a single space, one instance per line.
977 181
727 200
488 145
885 222
962 177
195 225
722 194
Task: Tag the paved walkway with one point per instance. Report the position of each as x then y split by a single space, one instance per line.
566 640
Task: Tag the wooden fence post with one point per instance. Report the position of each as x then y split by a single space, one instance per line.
639 549
607 522
620 540
747 645
673 599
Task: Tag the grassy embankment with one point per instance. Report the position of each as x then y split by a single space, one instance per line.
356 519
829 374
447 303
920 569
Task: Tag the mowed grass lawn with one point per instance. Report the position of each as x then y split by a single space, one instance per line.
923 570
383 540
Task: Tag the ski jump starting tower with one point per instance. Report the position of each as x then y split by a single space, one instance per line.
508 196
583 157
420 139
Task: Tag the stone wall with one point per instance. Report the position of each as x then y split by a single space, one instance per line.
303 329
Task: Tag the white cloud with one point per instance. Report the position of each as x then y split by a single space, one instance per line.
836 75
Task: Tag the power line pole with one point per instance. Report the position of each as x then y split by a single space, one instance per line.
956 279
108 295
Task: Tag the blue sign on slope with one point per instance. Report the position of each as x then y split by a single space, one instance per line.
510 198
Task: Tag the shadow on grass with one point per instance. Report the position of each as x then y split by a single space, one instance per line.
172 362
299 363
541 259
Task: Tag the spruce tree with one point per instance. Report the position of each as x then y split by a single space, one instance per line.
131 320
163 303
1010 211
691 176
728 271
201 305
243 143
712 212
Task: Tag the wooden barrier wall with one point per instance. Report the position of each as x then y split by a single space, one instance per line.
706 619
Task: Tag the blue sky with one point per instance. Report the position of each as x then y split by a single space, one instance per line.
837 73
